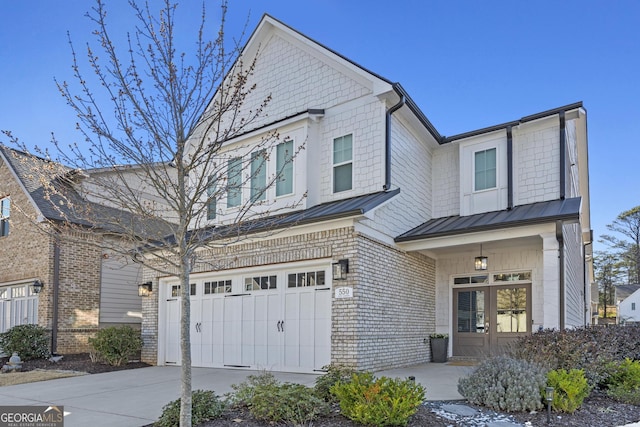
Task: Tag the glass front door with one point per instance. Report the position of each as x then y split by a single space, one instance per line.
488 318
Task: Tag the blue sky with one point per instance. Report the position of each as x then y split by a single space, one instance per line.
467 64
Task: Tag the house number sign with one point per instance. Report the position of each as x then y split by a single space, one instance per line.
344 292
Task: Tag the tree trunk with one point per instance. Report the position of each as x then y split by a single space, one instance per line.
185 344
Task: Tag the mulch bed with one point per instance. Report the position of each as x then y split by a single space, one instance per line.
78 362
597 410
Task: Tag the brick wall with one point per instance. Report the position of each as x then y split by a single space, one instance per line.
383 326
27 254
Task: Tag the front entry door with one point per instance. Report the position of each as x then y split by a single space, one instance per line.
488 318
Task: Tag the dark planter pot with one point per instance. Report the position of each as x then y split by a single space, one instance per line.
439 349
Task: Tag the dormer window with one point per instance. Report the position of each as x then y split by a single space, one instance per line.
485 169
5 211
234 182
343 163
284 168
258 175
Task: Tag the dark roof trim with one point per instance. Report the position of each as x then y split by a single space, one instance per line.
410 103
339 209
512 123
532 214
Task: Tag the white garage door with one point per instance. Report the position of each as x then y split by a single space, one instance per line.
18 306
275 320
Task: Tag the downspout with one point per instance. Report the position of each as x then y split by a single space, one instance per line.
563 149
509 168
587 304
560 238
387 139
56 285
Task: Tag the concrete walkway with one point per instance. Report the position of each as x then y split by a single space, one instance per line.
135 397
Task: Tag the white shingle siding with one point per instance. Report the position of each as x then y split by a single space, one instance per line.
411 172
446 181
536 162
296 80
364 119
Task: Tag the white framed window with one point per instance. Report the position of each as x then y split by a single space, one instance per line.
217 287
5 212
311 278
258 175
260 283
343 163
485 169
234 182
212 184
284 168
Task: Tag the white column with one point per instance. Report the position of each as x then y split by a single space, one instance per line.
550 280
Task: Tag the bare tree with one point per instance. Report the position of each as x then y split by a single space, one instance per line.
155 161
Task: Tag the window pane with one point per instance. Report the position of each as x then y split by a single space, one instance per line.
5 208
234 182
284 167
211 197
485 169
258 175
471 316
342 178
342 149
511 310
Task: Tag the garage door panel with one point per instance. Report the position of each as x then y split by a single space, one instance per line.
232 334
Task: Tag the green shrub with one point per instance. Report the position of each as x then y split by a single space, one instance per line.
580 348
505 384
335 374
269 400
205 405
570 389
624 381
116 344
378 401
29 341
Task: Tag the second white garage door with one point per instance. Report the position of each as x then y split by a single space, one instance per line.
275 320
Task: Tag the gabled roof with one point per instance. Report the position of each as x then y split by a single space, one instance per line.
64 204
624 291
535 213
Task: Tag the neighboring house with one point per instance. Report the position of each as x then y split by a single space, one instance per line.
84 287
382 250
628 303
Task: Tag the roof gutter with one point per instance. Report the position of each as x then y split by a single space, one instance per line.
387 138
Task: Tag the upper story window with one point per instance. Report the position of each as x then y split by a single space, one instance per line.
211 197
485 169
234 182
258 175
5 211
284 168
343 163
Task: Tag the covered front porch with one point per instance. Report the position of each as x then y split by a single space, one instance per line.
519 289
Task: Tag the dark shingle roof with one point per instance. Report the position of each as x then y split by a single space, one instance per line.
535 213
623 291
324 212
61 202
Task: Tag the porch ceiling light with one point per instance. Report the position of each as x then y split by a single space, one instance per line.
340 269
481 262
37 286
144 289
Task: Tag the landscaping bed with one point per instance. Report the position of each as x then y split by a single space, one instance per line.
77 362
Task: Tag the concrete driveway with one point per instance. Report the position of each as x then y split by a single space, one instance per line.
135 397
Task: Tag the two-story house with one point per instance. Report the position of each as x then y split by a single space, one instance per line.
392 231
81 285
